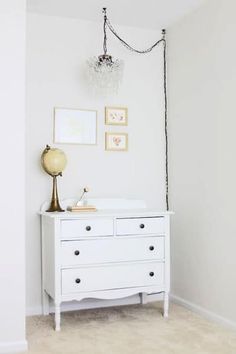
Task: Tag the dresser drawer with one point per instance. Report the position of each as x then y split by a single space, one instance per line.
86 227
112 277
144 226
111 250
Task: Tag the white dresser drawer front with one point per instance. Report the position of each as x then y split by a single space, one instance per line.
86 227
144 226
112 277
111 250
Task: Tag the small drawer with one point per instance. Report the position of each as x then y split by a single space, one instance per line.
112 277
119 249
84 228
141 226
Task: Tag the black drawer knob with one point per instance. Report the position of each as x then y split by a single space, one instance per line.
142 226
151 248
88 228
77 281
151 274
77 252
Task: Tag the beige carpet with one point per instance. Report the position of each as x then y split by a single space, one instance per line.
129 330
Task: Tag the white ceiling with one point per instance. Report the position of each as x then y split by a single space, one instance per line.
154 14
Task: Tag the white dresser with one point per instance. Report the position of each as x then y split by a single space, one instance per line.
108 254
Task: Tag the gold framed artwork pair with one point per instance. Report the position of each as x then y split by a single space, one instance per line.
78 126
116 141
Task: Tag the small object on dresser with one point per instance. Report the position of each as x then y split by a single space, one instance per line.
80 201
79 208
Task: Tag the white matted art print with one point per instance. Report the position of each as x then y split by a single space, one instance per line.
75 126
116 115
116 141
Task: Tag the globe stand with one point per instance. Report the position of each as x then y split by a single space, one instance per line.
55 205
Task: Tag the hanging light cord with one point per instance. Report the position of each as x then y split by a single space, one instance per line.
105 32
166 123
108 24
148 50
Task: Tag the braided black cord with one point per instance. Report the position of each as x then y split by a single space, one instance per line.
129 46
166 126
148 50
105 32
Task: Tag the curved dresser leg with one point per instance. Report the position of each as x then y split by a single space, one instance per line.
166 305
57 317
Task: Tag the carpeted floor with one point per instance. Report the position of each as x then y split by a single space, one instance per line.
129 330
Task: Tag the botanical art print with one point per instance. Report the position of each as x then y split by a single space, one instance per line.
116 116
117 141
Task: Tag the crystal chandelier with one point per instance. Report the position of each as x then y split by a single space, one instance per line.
104 72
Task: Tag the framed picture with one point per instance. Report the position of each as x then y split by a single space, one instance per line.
75 126
116 141
116 116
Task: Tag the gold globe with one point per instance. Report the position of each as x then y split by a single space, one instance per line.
54 162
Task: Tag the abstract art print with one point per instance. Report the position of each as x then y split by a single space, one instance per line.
75 126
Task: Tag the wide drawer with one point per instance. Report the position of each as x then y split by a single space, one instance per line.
86 227
112 277
144 226
111 250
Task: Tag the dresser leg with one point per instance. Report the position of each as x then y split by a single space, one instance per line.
57 317
143 297
45 299
166 305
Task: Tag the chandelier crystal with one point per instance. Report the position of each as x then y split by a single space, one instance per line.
105 73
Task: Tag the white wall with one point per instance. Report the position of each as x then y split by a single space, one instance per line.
57 49
202 78
12 182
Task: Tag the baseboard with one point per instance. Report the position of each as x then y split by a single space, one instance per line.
14 347
92 304
203 312
34 311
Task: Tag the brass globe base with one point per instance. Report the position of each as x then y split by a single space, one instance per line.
55 205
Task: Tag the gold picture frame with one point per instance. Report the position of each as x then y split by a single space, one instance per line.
116 141
116 116
75 126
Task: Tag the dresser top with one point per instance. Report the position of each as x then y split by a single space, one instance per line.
105 207
119 213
